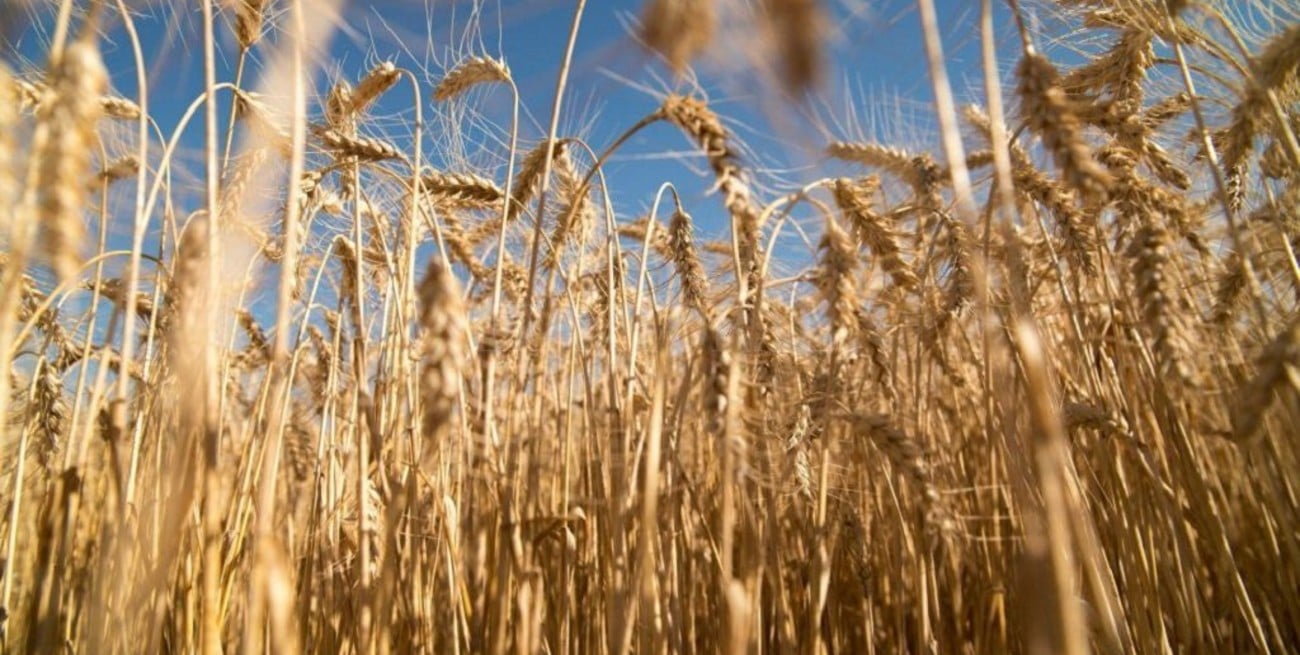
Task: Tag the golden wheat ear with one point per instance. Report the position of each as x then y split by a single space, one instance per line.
679 30
71 118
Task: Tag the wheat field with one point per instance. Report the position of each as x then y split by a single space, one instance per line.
331 386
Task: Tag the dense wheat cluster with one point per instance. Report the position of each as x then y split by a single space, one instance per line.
331 387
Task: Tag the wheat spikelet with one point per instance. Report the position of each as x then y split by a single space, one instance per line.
529 178
50 410
1150 260
835 281
644 228
119 169
187 327
266 125
895 161
1087 416
249 15
119 108
699 122
347 254
114 289
338 107
1033 184
1147 17
909 458
1279 369
31 94
679 30
690 273
360 147
459 245
1050 114
717 363
1275 164
71 115
1166 110
1229 291
443 348
874 344
470 73
1271 70
1278 60
955 247
235 186
1137 199
461 190
259 347
376 83
1121 70
575 213
798 30
979 159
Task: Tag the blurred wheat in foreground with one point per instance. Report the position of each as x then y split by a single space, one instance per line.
331 387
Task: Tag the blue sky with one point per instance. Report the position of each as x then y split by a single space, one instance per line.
876 83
